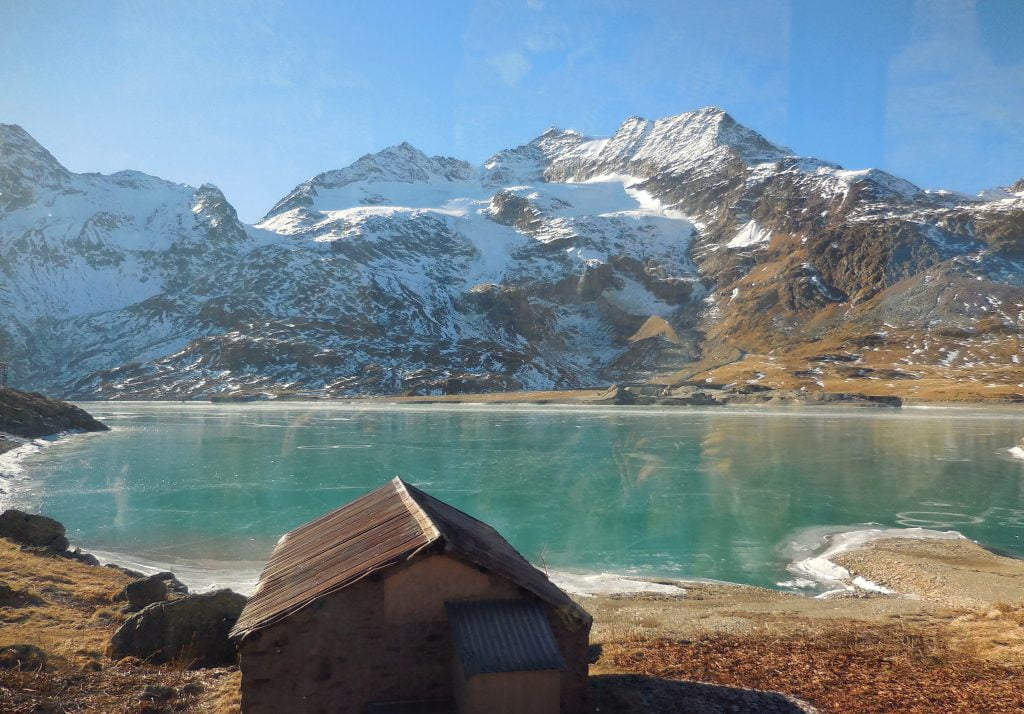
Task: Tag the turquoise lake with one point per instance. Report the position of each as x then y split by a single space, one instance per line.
724 494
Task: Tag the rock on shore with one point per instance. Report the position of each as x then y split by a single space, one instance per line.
31 415
33 531
192 630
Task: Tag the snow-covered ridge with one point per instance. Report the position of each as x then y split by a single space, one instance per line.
640 147
396 164
408 271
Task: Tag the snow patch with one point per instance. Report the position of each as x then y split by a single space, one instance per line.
591 584
820 568
749 235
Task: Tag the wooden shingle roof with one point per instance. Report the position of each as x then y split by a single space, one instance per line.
383 528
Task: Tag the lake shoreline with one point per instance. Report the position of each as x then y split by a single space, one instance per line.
953 625
643 639
200 566
641 395
818 563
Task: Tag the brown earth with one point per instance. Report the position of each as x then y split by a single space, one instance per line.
876 374
900 364
956 646
67 609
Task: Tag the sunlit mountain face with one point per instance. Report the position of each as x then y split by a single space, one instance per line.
686 248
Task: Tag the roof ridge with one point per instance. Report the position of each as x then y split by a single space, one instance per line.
423 519
387 526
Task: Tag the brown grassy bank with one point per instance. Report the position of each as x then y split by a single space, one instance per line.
849 654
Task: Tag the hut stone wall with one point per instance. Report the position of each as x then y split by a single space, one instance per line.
385 638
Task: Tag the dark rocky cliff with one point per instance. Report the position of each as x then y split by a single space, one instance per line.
31 415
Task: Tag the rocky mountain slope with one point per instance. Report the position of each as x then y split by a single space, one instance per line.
687 248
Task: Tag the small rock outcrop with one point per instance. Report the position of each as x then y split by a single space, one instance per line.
503 306
23 657
148 590
32 530
144 592
192 630
615 394
158 693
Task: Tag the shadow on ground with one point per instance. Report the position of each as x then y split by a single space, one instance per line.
615 693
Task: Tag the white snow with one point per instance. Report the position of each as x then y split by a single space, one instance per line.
400 225
591 584
821 569
749 235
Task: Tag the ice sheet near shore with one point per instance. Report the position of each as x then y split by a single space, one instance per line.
12 469
819 570
242 577
199 576
591 584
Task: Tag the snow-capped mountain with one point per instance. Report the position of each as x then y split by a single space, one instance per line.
685 247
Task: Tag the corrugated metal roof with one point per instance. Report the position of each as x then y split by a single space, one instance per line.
503 636
382 528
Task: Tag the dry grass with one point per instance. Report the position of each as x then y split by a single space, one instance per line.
995 635
852 668
960 662
70 615
225 696
992 380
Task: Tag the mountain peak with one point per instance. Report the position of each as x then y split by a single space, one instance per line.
639 147
25 167
23 155
401 163
683 138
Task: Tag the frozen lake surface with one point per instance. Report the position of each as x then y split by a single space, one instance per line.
723 494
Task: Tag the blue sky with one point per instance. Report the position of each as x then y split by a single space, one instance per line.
257 96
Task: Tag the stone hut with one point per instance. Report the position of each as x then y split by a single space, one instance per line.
399 602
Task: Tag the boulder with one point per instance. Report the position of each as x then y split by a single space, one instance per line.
192 630
32 530
146 590
615 394
140 593
81 556
174 586
158 693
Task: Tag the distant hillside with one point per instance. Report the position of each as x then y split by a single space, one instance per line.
686 248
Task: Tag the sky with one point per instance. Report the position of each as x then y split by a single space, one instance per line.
257 96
